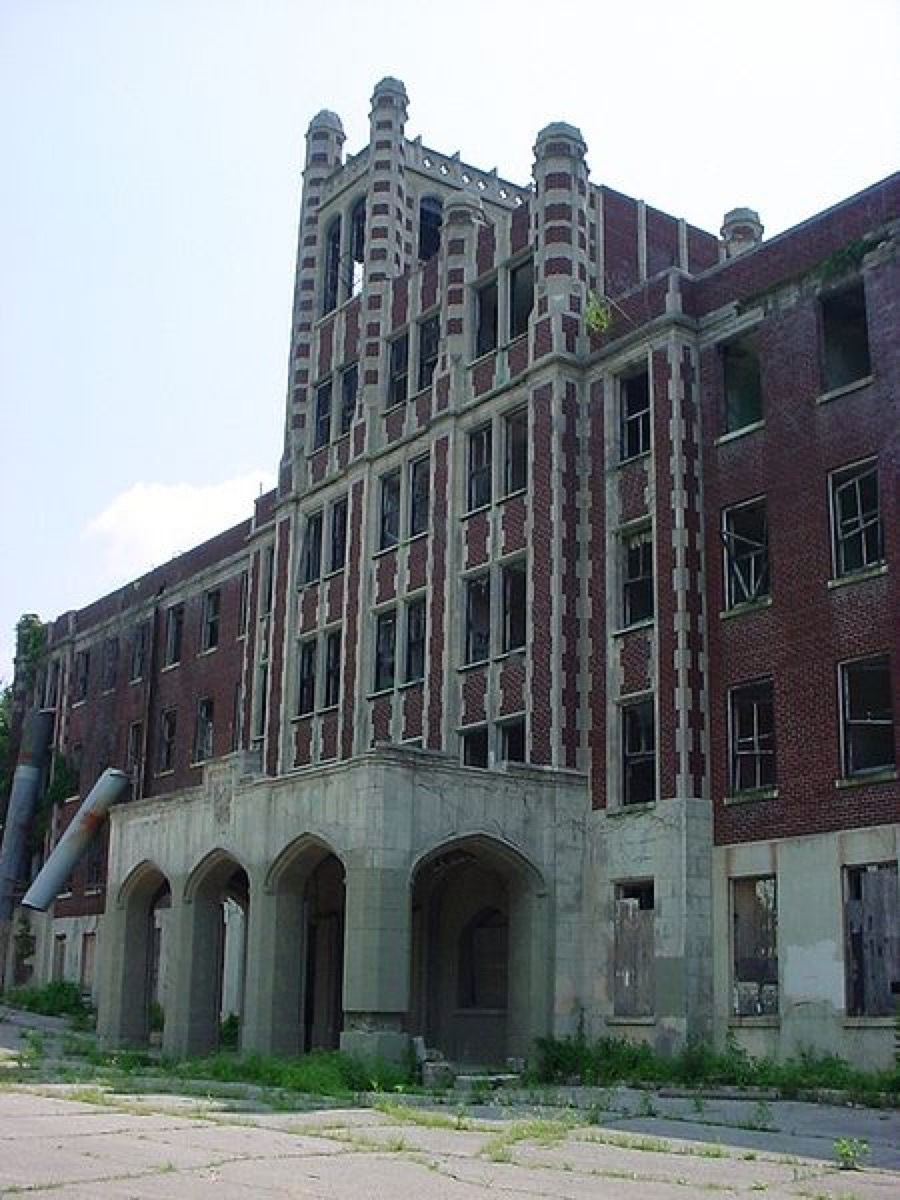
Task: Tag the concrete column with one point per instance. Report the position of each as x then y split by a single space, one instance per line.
376 962
195 947
276 939
123 959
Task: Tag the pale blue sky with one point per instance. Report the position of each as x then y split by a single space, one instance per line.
151 154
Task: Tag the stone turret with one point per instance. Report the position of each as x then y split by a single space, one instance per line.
741 231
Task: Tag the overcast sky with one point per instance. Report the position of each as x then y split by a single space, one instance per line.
151 151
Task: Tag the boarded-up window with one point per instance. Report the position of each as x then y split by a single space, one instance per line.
633 950
872 918
755 917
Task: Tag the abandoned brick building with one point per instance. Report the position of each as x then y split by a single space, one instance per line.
555 685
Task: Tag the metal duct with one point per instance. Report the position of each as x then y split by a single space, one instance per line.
23 798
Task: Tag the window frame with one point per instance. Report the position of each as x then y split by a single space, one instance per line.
756 588
428 342
204 731
769 960
307 671
467 740
168 735
741 372
515 453
311 554
415 647
212 616
385 647
398 371
480 467
753 692
419 495
519 315
640 419
174 640
635 755
474 639
832 365
322 412
839 479
349 398
635 610
487 336
509 642
338 516
331 672
390 508
848 768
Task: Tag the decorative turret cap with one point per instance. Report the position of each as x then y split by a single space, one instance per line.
558 132
327 120
389 86
741 231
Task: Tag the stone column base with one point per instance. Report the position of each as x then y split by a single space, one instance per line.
384 1045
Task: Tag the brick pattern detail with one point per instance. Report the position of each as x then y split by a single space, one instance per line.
477 534
413 712
512 685
303 742
474 696
636 661
513 521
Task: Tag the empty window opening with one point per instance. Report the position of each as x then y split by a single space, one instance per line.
332 690
398 370
515 451
752 737
419 495
322 418
203 733
311 559
743 388
385 650
134 754
480 467
754 915
475 747
638 752
237 715
514 606
337 554
167 730
868 718
872 930
746 536
267 588
349 386
110 663
212 607
856 519
357 247
846 338
486 322
82 674
415 640
521 298
389 522
478 619
512 741
633 950
637 582
332 265
174 633
306 677
243 602
261 715
482 973
634 401
431 216
429 340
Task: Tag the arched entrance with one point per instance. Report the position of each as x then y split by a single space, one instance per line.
480 969
141 984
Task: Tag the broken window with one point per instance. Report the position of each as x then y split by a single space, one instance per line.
515 451
480 466
415 640
311 559
634 415
482 973
167 731
514 605
746 536
389 523
752 737
82 674
867 716
633 950
856 519
243 602
306 677
486 318
637 577
846 338
419 495
743 389
212 604
110 663
475 747
332 265
174 632
521 298
322 419
478 618
349 386
203 733
431 215
337 553
357 246
134 750
385 649
638 752
332 688
754 915
512 740
398 370
872 923
429 340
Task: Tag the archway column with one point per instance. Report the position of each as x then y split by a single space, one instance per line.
195 948
273 1021
376 962
123 1014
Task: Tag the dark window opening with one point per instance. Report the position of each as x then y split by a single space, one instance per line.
203 733
755 947
389 524
480 467
515 451
512 741
82 674
174 633
743 388
311 561
349 385
415 640
486 318
752 729
514 606
357 247
398 370
332 265
322 419
167 732
639 753
134 747
268 581
482 968
634 927
637 583
419 495
746 538
338 549
872 924
478 619
306 677
856 513
385 650
243 602
634 398
846 338
237 711
868 717
332 669
212 605
475 747
431 216
429 340
262 702
521 298
110 662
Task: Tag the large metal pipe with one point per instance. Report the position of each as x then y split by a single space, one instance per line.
23 798
85 826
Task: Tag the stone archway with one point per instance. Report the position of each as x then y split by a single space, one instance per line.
480 969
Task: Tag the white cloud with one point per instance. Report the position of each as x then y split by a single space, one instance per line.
148 523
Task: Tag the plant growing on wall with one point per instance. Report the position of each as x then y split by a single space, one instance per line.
598 313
